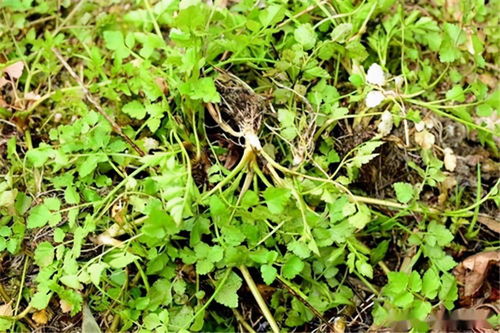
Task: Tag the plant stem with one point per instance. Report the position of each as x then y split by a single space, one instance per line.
247 155
258 297
242 321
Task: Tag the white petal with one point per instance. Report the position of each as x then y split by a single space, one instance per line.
375 75
374 98
150 143
385 125
420 126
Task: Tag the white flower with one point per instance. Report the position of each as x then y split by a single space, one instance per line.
420 126
375 75
385 125
150 143
374 98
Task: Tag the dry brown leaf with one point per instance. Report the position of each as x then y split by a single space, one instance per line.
6 309
15 70
162 84
490 223
40 317
444 187
471 272
453 8
65 306
425 139
450 159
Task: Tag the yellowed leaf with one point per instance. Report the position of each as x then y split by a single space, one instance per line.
65 306
6 309
490 223
425 139
40 317
15 70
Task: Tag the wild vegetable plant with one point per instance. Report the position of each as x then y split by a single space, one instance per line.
166 163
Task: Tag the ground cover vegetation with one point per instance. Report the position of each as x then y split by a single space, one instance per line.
220 166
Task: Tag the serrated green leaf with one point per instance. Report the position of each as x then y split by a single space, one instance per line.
292 267
201 89
448 293
456 94
404 192
71 281
41 299
415 282
44 254
39 217
441 233
95 272
71 195
114 41
271 15
341 32
403 300
364 268
276 199
269 273
305 36
420 309
135 109
299 248
361 218
121 259
228 295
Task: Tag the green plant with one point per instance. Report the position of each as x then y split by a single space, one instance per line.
161 155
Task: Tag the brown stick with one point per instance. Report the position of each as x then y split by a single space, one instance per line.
96 105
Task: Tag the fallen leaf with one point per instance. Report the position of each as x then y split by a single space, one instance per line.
65 306
490 223
444 187
490 80
6 309
339 325
453 9
472 272
89 325
425 139
40 317
429 122
162 84
15 70
450 159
